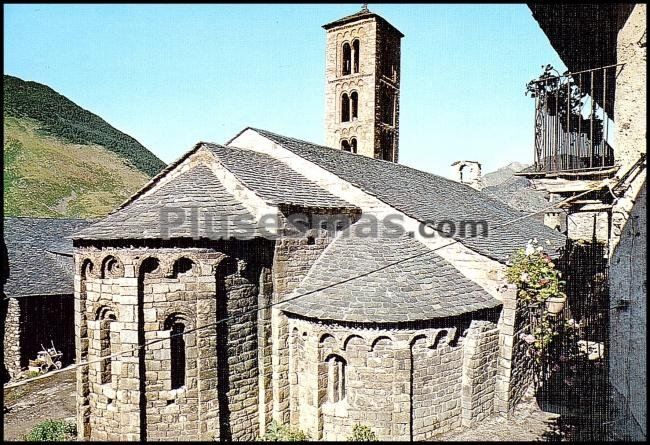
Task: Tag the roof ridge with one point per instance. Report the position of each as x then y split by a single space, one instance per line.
155 179
347 153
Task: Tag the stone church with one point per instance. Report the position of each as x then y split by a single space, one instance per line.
271 278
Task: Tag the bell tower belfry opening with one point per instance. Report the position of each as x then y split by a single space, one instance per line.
362 72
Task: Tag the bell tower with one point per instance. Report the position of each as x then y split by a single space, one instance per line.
362 72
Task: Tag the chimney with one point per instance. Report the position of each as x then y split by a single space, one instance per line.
467 172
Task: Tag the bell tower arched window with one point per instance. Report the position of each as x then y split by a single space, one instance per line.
353 145
354 100
345 145
355 56
345 108
347 59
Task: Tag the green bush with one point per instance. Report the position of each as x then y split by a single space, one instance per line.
277 432
52 430
362 433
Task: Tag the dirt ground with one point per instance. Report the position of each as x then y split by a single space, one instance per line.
527 423
54 398
47 398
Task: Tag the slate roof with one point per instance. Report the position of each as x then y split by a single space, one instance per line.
413 283
427 197
39 255
273 180
361 15
219 214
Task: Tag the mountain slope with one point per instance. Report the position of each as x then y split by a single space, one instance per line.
61 117
45 176
516 191
63 161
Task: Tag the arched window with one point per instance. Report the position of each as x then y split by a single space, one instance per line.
105 317
176 326
345 145
353 145
354 99
345 108
347 59
183 266
355 56
335 378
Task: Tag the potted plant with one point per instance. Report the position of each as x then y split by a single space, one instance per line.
554 305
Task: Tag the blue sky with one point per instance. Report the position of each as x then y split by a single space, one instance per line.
171 75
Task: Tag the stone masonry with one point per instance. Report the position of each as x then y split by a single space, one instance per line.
373 78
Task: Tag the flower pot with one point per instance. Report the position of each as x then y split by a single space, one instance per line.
554 305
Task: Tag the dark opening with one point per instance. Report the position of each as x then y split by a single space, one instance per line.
183 265
355 45
345 108
353 145
105 341
345 145
354 97
347 56
177 355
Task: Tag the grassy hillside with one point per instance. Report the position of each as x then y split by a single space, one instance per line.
48 176
60 117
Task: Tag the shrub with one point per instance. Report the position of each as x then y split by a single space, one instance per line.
52 430
31 374
362 433
277 432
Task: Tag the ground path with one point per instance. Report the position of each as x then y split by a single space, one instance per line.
47 398
54 398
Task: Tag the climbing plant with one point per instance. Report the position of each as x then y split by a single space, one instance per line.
537 280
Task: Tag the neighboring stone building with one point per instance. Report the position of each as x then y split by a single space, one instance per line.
608 59
362 85
37 306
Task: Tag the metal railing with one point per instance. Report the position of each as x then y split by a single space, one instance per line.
573 120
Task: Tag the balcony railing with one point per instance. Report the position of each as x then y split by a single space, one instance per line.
573 124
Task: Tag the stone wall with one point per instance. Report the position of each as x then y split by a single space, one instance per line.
437 386
589 222
514 370
403 383
481 351
11 340
379 45
293 257
363 82
146 291
628 288
628 326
